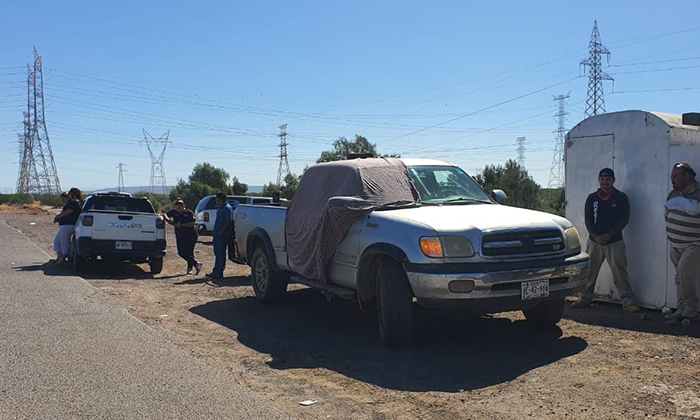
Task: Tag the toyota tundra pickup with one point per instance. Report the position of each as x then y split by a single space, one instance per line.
457 247
118 227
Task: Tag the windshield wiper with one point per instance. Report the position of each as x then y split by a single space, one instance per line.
466 201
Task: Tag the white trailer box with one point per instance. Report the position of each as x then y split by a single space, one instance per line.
641 147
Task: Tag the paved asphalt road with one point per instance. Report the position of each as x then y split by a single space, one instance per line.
66 351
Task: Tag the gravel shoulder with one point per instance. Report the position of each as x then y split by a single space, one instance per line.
599 363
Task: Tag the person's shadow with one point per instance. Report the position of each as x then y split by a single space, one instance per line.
449 354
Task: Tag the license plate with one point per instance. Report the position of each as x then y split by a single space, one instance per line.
123 245
534 289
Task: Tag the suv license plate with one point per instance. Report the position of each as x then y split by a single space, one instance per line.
123 245
534 289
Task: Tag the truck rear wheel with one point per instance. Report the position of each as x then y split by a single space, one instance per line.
269 284
545 313
156 265
394 304
77 262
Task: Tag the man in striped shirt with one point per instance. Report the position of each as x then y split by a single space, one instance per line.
683 232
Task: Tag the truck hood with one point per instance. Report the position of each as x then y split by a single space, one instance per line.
482 217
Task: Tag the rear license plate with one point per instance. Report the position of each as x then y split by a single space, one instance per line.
123 245
534 289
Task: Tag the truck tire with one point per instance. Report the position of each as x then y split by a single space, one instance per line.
394 304
156 265
546 313
77 262
270 285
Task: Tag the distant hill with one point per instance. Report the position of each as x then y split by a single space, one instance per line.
255 189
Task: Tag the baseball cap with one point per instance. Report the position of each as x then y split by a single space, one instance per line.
606 172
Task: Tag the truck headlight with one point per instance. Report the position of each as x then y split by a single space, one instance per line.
446 246
573 241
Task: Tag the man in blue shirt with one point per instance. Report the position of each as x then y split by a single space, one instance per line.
222 234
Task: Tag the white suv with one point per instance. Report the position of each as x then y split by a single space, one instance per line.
119 227
205 212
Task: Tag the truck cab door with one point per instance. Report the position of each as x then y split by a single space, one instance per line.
345 262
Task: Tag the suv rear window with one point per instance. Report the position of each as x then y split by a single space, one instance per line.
118 204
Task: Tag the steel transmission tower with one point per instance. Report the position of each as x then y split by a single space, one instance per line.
283 170
37 171
521 151
157 185
120 185
557 176
595 102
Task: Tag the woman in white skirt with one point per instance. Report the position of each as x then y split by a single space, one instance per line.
66 220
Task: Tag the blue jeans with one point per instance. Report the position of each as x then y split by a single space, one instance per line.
220 242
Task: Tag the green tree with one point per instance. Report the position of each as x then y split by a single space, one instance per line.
521 189
208 174
553 201
343 147
286 190
238 188
206 179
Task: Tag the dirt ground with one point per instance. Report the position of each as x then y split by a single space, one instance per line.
597 364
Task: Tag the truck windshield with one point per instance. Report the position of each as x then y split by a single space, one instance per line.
446 184
118 204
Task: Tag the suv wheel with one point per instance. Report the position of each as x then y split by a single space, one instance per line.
156 265
77 262
545 313
269 285
394 304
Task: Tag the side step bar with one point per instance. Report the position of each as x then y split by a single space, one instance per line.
326 289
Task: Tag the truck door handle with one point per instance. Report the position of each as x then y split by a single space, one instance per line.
125 217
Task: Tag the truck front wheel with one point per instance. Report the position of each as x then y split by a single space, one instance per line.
394 304
156 265
548 312
269 285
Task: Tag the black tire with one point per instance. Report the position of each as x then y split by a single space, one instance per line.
394 304
77 262
156 265
269 285
546 313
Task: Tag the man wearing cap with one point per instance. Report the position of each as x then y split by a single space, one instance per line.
683 232
607 213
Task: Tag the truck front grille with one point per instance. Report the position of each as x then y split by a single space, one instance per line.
526 242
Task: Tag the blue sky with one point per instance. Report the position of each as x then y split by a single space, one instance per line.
222 76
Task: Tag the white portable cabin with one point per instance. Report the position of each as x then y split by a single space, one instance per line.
641 147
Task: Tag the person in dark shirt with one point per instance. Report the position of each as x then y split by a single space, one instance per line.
182 219
66 220
222 234
607 213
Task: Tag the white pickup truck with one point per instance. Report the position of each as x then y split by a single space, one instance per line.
205 212
456 248
118 227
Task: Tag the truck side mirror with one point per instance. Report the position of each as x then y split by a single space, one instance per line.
499 196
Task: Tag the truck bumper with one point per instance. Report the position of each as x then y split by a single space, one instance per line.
88 247
494 287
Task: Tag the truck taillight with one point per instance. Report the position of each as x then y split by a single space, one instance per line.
206 217
160 224
87 220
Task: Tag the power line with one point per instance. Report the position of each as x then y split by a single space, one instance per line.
283 170
557 173
120 185
157 168
520 141
37 169
595 102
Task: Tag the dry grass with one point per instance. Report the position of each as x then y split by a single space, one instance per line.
32 209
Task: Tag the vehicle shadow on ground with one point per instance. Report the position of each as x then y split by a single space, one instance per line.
450 354
610 315
97 270
235 281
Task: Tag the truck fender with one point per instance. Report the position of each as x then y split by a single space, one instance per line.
366 275
256 236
